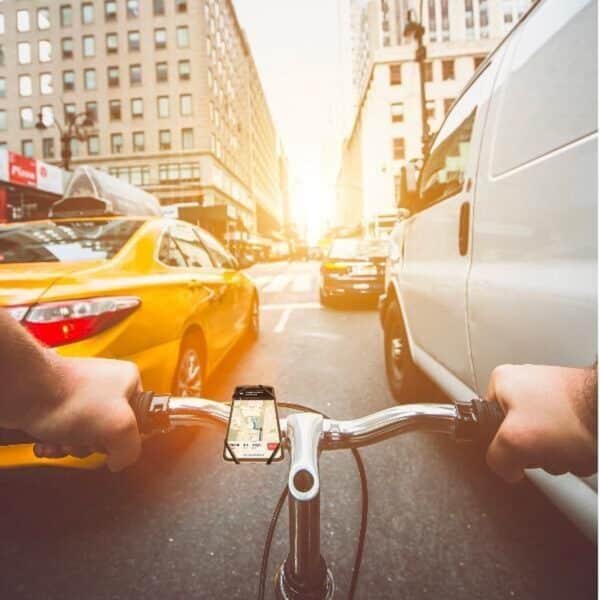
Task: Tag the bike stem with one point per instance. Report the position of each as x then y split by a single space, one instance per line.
304 574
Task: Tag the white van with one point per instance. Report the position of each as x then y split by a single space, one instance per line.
496 260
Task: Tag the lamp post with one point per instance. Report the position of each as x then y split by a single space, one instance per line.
416 29
74 128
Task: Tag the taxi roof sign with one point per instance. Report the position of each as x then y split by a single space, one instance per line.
95 193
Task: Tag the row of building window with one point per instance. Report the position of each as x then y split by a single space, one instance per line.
138 143
448 70
24 20
167 173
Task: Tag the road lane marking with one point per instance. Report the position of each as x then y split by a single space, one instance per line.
302 283
277 285
292 306
283 319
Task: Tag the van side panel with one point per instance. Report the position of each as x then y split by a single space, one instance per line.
532 291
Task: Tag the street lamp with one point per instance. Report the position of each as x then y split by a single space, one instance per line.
416 29
74 129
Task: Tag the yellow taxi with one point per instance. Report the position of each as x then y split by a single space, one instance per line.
159 292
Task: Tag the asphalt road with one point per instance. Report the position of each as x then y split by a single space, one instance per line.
183 524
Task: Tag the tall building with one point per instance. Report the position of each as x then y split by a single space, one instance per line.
172 84
386 130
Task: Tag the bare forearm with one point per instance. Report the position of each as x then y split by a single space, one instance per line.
28 372
586 401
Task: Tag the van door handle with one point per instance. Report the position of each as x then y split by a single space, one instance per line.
463 228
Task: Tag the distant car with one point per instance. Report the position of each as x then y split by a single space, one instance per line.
161 293
353 268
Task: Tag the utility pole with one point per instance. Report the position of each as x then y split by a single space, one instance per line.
416 29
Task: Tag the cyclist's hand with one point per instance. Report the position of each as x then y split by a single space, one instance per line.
550 420
93 413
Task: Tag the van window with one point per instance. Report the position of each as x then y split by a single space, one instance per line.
550 96
190 246
444 171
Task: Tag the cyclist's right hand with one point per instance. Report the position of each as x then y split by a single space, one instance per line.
550 420
92 414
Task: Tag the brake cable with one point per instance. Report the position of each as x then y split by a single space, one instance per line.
363 517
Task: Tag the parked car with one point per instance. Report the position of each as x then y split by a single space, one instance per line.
353 268
159 292
496 259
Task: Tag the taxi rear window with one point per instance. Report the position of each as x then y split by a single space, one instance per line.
65 241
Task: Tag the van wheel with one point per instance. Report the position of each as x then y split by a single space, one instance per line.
403 376
189 375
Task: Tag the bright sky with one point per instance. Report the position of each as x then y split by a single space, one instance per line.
295 46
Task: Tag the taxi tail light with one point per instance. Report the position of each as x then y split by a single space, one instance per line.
69 321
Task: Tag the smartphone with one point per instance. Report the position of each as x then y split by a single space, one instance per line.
253 433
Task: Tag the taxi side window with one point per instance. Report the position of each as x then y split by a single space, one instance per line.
190 246
169 254
220 256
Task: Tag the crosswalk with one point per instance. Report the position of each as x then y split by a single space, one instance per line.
286 282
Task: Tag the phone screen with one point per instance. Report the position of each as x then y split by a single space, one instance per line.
253 431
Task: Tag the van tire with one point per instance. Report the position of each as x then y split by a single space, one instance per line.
404 378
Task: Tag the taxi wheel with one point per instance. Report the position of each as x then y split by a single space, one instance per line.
189 376
253 330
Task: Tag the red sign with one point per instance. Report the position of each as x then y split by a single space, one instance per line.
3 206
22 170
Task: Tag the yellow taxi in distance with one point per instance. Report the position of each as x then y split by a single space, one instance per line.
159 292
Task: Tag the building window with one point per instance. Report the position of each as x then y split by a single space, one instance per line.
26 117
74 147
93 145
162 71
27 148
138 141
112 43
47 115
184 69
43 18
116 143
178 172
44 51
478 60
181 5
24 53
87 13
163 106
183 36
113 76
89 79
447 70
23 22
160 38
89 45
397 112
484 19
164 139
445 21
448 102
185 105
187 138
159 7
46 84
2 87
133 175
428 71
133 9
135 74
432 20
67 47
133 40
66 15
395 74
110 10
469 19
3 120
114 110
398 148
137 108
430 109
25 85
91 109
69 111
47 147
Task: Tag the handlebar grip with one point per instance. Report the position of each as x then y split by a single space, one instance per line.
489 417
150 412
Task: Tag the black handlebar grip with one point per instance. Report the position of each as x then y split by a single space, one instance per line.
489 416
140 404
